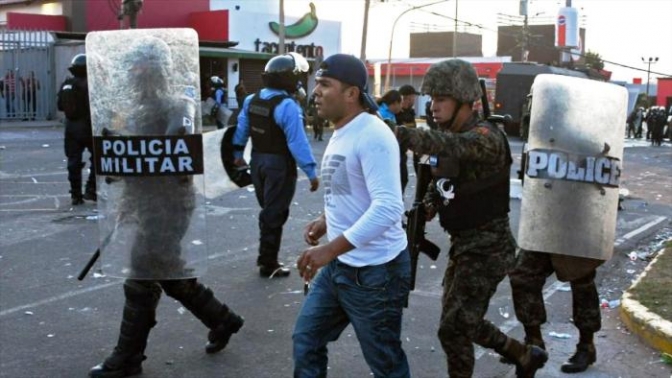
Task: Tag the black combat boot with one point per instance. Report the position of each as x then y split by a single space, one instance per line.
138 320
76 193
90 189
584 356
273 270
267 262
528 358
215 315
269 246
532 337
90 194
219 337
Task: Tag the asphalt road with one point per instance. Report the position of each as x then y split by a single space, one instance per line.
52 325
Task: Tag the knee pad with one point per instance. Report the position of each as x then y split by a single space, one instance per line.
137 291
180 289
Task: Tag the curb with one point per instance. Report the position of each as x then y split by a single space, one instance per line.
654 330
30 124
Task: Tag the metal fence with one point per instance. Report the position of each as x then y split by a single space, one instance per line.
26 77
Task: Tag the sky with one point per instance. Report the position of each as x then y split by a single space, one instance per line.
621 31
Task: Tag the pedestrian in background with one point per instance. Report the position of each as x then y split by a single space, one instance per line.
389 106
471 162
218 93
241 93
406 117
317 122
30 87
364 267
274 121
9 93
73 101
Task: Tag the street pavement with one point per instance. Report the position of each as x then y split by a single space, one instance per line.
52 325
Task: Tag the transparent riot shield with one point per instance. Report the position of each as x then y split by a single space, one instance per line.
145 107
573 167
221 174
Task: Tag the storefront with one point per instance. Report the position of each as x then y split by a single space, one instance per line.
220 24
256 34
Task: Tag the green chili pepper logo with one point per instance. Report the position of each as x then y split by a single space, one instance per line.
301 28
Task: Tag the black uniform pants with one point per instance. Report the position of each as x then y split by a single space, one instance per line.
77 139
274 179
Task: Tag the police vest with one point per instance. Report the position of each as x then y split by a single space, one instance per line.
475 202
267 136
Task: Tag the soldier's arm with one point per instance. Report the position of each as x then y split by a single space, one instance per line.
479 144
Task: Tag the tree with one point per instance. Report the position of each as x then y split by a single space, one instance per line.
642 100
594 60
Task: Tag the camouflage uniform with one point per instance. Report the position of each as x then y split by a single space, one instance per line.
483 248
480 258
527 282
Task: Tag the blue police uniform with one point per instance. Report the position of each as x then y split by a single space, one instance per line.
274 121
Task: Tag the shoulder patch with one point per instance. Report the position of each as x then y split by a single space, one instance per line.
482 130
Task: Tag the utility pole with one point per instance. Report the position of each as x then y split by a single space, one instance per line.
648 76
281 29
455 33
526 32
129 8
365 29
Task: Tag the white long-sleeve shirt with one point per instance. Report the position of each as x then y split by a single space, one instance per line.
362 194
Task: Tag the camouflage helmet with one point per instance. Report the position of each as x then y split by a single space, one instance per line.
453 77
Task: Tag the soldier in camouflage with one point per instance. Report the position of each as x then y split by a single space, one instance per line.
470 162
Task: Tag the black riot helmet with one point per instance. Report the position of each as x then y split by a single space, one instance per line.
78 65
284 71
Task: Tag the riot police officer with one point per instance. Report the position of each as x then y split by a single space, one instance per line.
470 161
218 93
274 121
158 210
73 101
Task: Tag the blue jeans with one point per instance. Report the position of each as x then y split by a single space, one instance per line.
372 298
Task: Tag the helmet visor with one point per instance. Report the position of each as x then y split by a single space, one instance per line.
300 63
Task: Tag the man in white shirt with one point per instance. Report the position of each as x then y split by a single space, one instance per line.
365 275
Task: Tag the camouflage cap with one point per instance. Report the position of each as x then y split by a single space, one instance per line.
453 77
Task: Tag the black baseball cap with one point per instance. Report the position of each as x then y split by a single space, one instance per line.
349 70
407 89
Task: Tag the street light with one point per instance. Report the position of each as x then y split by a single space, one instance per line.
389 53
648 76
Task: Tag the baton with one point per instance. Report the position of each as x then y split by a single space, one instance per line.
89 264
95 257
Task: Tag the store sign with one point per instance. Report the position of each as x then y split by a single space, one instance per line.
301 28
309 51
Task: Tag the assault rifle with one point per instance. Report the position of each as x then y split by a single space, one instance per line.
415 230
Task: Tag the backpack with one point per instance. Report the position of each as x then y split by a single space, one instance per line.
72 99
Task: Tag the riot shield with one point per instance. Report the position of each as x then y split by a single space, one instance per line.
573 167
145 105
221 174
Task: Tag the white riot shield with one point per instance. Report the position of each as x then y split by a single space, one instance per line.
144 92
573 167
